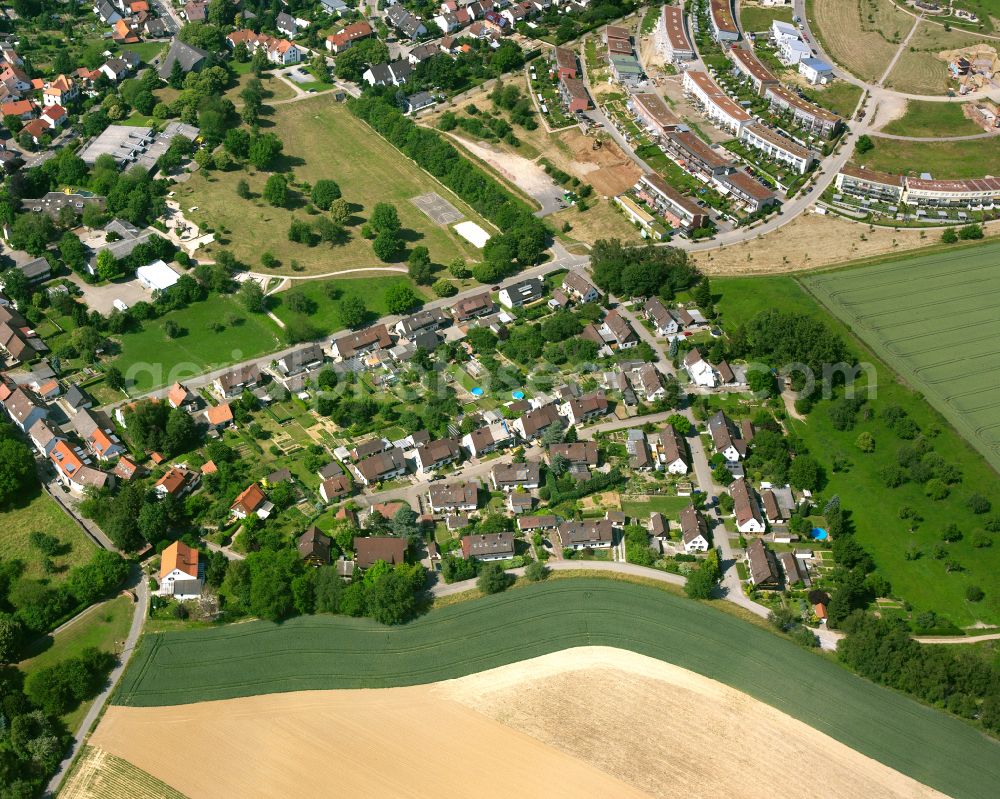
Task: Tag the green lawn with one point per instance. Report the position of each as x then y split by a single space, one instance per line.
325 652
757 18
668 506
839 97
944 160
874 508
149 359
40 512
323 140
328 294
927 119
102 627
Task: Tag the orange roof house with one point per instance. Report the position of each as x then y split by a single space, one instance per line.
220 415
178 395
252 500
209 468
180 572
177 481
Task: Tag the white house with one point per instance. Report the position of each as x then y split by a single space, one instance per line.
815 70
672 451
725 438
746 509
694 530
699 370
181 575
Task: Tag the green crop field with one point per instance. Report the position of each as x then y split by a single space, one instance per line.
323 652
925 582
934 319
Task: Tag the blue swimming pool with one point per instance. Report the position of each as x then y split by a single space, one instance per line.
518 395
477 392
819 534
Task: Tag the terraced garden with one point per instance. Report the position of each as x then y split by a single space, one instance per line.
325 652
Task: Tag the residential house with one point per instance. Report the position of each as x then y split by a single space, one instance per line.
673 453
773 511
534 423
406 23
235 382
590 406
519 502
577 453
181 575
431 319
369 551
640 456
565 62
453 497
44 436
368 448
491 546
726 438
647 382
74 473
512 476
579 288
367 340
25 408
659 528
677 210
314 547
762 566
60 91
190 58
127 470
745 507
701 372
435 454
616 328
531 524
104 445
301 359
590 534
489 438
382 466
694 530
473 307
177 481
220 416
522 293
335 488
342 40
180 397
251 501
573 95
285 23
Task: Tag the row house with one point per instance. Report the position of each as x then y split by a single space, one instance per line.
488 438
511 476
582 410
453 497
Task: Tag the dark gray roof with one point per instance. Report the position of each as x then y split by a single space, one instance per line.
76 397
189 56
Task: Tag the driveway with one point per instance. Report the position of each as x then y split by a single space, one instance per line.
102 298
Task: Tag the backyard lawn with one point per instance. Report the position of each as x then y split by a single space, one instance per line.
840 97
757 18
925 581
327 295
40 512
149 359
669 506
323 140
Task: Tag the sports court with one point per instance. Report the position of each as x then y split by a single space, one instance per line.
438 208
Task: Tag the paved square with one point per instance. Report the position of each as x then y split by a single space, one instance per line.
438 208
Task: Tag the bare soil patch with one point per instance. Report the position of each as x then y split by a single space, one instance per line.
812 241
585 722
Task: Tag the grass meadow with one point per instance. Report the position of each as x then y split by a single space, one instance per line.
856 42
40 512
923 582
150 359
926 119
323 140
327 652
945 160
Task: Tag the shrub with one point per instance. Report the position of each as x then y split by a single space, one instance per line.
974 593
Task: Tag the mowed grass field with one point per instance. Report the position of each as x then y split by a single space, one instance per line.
40 512
924 582
150 359
925 118
323 140
943 159
325 652
859 44
758 18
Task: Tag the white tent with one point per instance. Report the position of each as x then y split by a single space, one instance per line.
157 276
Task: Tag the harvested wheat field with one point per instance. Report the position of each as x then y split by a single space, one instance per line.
584 722
811 241
100 775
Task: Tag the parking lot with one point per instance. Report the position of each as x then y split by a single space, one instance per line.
102 298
